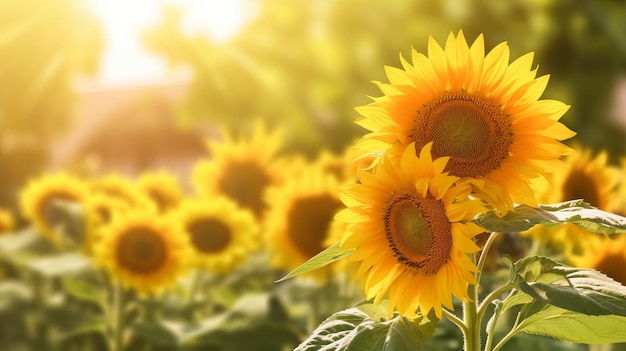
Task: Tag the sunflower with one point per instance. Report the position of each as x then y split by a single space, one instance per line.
240 169
163 188
143 252
604 254
7 221
477 109
100 209
39 203
411 230
122 188
299 221
583 177
221 233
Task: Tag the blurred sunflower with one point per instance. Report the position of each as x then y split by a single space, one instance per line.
300 220
411 230
100 209
7 222
583 177
39 202
240 169
604 254
143 252
121 188
477 109
163 188
222 234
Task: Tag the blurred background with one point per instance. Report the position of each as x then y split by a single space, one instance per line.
100 86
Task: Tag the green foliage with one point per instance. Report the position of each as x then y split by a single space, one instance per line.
326 257
572 304
576 212
356 330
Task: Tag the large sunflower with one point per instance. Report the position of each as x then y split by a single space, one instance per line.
300 218
143 252
39 203
583 177
222 234
477 109
410 229
163 188
240 169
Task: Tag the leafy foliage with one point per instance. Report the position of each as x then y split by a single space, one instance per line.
354 330
575 212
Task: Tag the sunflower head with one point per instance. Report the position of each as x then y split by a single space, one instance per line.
604 254
240 169
41 203
586 177
162 188
411 230
115 186
477 109
100 210
7 221
299 221
142 251
221 233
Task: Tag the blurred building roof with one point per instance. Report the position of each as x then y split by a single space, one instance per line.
129 130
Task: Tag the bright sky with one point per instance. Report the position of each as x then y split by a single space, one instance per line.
125 61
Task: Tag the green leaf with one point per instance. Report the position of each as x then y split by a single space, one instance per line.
580 290
355 330
576 212
328 256
576 327
84 290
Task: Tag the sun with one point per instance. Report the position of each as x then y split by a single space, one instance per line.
126 60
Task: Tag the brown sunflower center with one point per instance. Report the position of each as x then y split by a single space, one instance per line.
308 222
612 265
579 185
471 129
245 182
209 235
418 232
49 210
141 250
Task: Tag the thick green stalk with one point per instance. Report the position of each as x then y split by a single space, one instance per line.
470 317
117 316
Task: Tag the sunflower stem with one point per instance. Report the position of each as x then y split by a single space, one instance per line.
456 320
485 303
483 254
470 317
117 325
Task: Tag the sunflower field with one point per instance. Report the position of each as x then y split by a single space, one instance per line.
331 176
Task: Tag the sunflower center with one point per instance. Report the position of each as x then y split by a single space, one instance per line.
471 129
418 232
245 182
308 222
579 185
141 250
49 210
209 235
161 200
611 264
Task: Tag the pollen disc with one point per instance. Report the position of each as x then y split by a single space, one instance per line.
209 235
418 231
141 250
579 185
472 130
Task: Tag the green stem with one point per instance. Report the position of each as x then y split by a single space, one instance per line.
483 254
117 323
491 332
456 320
509 335
470 316
485 304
